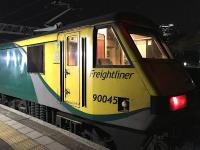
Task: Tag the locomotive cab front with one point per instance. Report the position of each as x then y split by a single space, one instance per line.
135 78
166 77
135 73
172 91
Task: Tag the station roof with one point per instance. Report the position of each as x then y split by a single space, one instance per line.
36 14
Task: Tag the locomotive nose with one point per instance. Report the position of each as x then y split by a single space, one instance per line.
169 78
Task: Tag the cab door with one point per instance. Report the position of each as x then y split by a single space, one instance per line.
72 70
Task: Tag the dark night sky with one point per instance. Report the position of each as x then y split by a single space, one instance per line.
186 14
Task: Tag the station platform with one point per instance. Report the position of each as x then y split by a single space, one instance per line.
19 131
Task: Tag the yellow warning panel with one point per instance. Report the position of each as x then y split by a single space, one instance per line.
17 140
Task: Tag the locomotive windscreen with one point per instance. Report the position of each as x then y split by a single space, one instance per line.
148 46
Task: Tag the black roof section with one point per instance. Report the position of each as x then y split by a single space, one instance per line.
115 16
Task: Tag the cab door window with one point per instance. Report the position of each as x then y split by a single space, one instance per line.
72 42
109 51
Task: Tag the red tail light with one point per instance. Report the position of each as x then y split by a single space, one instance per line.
178 102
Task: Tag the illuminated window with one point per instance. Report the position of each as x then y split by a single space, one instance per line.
148 47
109 50
35 59
72 50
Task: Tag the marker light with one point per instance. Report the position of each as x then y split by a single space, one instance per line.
178 102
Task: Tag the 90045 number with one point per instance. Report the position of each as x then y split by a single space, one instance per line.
105 99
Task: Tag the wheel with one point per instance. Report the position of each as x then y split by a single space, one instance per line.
156 142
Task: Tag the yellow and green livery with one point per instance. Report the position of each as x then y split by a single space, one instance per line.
109 74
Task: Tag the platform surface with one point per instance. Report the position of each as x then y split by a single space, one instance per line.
19 131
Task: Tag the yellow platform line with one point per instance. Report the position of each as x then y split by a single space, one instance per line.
17 140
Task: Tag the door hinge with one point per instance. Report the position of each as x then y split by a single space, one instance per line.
66 73
67 92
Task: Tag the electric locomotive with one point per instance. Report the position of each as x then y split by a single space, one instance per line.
109 79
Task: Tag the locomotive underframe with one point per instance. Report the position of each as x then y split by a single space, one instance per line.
164 133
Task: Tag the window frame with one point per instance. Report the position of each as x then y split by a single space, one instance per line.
95 65
147 32
43 58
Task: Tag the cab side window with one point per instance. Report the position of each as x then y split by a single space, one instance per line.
109 51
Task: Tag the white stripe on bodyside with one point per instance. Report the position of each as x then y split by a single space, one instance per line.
44 97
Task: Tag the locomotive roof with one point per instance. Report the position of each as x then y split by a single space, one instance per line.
116 16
